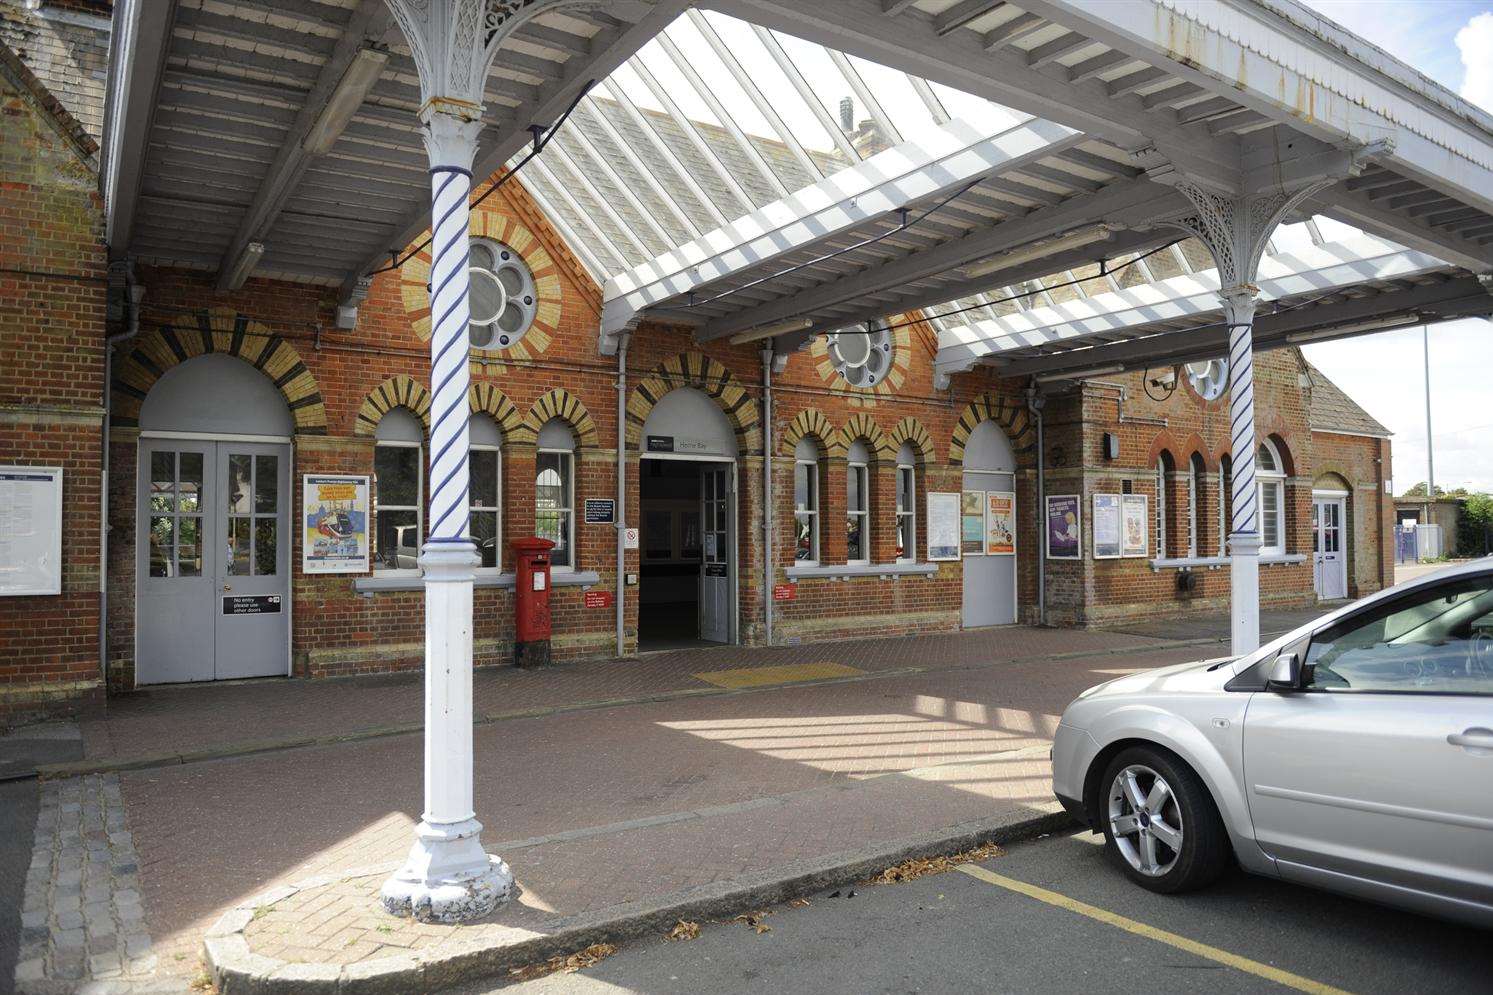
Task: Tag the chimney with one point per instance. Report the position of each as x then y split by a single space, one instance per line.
847 114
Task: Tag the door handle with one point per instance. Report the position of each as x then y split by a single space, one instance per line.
1475 738
227 587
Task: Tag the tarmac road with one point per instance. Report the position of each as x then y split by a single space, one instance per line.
955 932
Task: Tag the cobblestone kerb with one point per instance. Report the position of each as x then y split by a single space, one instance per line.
82 920
237 969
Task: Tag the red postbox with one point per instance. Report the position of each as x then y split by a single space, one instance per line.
531 602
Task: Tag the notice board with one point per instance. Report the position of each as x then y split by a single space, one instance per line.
30 530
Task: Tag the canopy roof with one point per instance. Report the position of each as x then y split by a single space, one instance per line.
752 165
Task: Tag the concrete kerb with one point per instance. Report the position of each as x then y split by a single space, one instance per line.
237 970
46 772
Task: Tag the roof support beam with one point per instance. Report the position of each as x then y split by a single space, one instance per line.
948 159
1457 298
345 79
960 60
137 59
1137 198
1354 208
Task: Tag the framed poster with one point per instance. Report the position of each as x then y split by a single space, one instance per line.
1064 527
1107 526
30 530
1137 520
943 525
334 519
972 522
1000 523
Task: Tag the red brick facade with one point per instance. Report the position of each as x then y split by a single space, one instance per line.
52 277
337 384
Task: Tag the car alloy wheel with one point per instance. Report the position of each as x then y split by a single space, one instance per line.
1145 820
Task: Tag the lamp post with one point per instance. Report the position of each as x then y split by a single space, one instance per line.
448 877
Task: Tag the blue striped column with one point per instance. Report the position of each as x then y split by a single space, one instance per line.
450 313
448 877
1244 534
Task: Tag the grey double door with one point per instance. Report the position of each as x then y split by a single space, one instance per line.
213 594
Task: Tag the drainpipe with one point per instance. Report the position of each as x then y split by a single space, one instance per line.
1034 402
767 576
621 518
133 294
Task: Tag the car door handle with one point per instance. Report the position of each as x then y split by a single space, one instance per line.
1475 738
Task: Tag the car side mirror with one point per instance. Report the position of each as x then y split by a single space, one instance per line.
1284 673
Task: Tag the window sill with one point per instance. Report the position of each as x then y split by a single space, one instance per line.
1216 562
416 582
882 570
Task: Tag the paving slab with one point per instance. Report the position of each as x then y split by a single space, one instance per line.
606 815
172 724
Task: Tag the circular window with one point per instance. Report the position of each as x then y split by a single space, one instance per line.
504 300
1209 378
862 355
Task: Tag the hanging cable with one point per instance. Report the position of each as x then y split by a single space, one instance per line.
542 138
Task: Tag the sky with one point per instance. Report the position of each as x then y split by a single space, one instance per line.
1450 41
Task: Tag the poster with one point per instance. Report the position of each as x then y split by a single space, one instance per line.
1106 526
30 530
1137 539
943 526
1000 523
972 522
1064 527
335 519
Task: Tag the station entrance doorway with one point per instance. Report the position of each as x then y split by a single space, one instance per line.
687 509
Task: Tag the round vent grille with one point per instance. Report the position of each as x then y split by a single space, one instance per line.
504 300
861 355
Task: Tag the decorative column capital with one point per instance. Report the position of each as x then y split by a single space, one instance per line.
450 137
453 42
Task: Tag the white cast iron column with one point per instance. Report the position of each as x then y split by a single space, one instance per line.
1244 523
1236 229
448 877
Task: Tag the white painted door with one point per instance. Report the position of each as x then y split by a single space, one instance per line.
214 561
1329 559
253 611
716 561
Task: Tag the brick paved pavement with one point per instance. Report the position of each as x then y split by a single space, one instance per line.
182 719
599 808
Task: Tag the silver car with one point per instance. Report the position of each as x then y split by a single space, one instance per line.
1354 754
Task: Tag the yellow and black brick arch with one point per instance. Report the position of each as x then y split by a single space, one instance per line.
216 330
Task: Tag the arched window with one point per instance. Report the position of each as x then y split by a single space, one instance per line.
554 492
1197 490
399 490
1270 482
907 504
1225 501
1163 473
806 501
858 504
486 489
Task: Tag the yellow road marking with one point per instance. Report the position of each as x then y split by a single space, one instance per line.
751 677
1254 967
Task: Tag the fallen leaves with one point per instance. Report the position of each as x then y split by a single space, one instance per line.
754 920
910 870
684 930
799 903
562 964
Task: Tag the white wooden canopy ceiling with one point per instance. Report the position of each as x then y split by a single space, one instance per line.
290 124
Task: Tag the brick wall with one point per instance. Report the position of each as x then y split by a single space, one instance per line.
51 396
67 45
